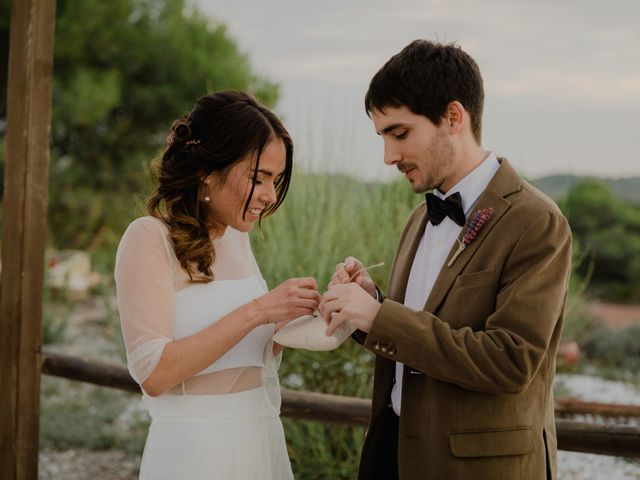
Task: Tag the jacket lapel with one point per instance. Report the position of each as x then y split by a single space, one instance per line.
505 181
403 261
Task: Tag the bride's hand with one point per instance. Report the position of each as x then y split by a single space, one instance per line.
352 270
291 299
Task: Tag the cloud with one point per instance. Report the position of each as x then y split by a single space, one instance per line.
585 86
332 67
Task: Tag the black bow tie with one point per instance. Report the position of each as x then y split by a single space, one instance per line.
450 207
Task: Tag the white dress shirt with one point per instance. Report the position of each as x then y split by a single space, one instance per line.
434 247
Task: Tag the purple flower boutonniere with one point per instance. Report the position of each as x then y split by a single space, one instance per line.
476 223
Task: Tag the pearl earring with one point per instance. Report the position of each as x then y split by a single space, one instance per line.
206 182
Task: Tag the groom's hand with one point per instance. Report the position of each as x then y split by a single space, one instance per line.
352 270
348 303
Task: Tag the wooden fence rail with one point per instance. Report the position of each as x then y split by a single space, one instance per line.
571 407
622 441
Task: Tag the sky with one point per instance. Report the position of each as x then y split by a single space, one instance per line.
562 79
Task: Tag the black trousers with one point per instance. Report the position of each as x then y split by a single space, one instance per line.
387 456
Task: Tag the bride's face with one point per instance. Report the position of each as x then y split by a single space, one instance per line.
229 195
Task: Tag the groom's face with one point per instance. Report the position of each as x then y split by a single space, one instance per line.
419 149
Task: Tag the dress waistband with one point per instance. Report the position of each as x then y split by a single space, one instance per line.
239 405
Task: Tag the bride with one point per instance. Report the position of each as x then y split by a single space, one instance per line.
197 318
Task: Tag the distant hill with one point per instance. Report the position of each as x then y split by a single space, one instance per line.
557 186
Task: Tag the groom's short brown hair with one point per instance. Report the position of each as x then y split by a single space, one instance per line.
426 77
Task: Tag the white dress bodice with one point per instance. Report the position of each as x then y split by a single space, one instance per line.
159 304
203 304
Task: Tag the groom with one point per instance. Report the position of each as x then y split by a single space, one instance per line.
466 338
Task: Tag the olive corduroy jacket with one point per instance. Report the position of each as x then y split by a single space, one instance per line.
477 400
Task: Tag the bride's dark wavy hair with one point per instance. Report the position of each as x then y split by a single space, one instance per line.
223 129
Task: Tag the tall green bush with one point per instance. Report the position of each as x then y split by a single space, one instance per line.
610 229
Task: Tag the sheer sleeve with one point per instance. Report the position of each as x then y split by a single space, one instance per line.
145 285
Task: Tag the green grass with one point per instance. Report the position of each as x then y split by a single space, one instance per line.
324 219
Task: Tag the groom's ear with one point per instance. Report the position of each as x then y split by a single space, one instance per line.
455 117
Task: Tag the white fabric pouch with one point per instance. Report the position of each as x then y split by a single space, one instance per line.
307 333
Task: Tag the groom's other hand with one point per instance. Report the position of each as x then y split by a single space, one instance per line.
352 270
345 271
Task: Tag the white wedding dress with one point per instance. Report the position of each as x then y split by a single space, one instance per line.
224 422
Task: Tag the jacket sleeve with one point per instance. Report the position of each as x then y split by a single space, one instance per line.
504 356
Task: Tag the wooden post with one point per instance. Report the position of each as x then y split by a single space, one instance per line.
24 228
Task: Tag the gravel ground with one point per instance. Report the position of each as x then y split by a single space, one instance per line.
115 465
585 466
83 465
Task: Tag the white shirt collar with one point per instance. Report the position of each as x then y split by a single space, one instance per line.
474 183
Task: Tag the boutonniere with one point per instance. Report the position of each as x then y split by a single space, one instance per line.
476 223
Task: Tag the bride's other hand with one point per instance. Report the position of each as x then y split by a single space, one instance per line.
352 270
291 299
